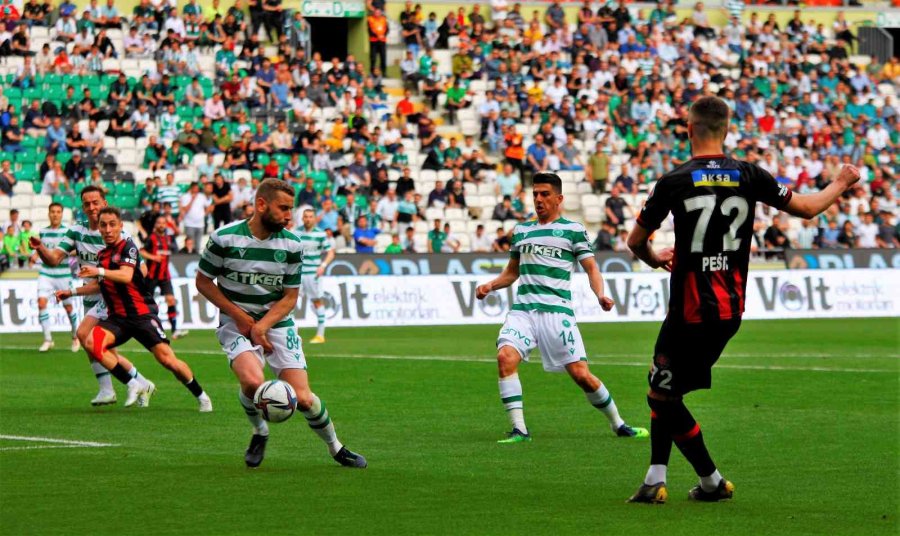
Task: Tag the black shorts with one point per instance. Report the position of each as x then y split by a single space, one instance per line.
165 287
145 329
685 354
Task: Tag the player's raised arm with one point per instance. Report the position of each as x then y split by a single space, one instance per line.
596 280
50 257
505 279
808 205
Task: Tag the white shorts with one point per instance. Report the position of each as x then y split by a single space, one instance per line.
555 335
287 347
312 287
98 311
47 287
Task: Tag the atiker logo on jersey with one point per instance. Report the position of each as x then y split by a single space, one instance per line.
544 251
256 279
717 177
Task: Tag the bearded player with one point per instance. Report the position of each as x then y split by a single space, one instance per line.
542 257
713 199
256 263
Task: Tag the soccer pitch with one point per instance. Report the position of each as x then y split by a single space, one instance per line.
803 418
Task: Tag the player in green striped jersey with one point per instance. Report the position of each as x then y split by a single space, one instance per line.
542 257
315 243
53 278
256 265
84 239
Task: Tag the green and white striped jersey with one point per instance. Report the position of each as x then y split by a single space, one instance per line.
547 255
171 195
250 272
51 238
86 244
315 243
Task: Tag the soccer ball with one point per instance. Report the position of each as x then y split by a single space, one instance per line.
276 400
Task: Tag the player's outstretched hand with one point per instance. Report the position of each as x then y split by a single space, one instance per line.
34 242
665 257
606 303
482 290
259 337
62 295
848 176
88 272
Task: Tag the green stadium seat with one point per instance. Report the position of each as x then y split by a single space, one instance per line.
63 158
125 188
340 201
4 155
28 174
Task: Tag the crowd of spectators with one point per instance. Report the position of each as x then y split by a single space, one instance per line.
181 112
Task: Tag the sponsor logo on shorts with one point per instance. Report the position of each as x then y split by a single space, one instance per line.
511 331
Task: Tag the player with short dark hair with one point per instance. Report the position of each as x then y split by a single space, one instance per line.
712 198
53 278
157 251
131 311
542 257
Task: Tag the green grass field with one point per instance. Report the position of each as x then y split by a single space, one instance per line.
803 417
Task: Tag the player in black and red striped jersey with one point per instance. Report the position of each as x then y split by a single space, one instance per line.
132 311
712 199
157 250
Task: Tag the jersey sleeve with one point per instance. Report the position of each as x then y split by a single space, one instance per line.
581 244
292 270
129 255
767 190
657 207
212 259
514 244
326 244
67 242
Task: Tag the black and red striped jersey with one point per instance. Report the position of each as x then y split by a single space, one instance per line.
713 200
125 299
157 244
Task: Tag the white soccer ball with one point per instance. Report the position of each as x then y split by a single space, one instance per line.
276 400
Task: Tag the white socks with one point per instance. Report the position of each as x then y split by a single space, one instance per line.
259 425
602 400
318 419
73 319
711 482
655 475
320 319
511 396
44 319
103 377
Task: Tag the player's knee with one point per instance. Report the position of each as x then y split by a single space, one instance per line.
304 400
507 361
83 333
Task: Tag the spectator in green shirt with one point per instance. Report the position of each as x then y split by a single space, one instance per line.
597 170
11 248
436 238
456 99
394 248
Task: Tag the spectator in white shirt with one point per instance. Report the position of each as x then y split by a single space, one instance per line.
867 232
194 208
214 108
387 208
878 137
481 241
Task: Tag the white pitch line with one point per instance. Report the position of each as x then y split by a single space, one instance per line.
644 357
46 447
56 443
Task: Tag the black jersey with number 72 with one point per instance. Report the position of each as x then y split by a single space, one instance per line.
713 201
